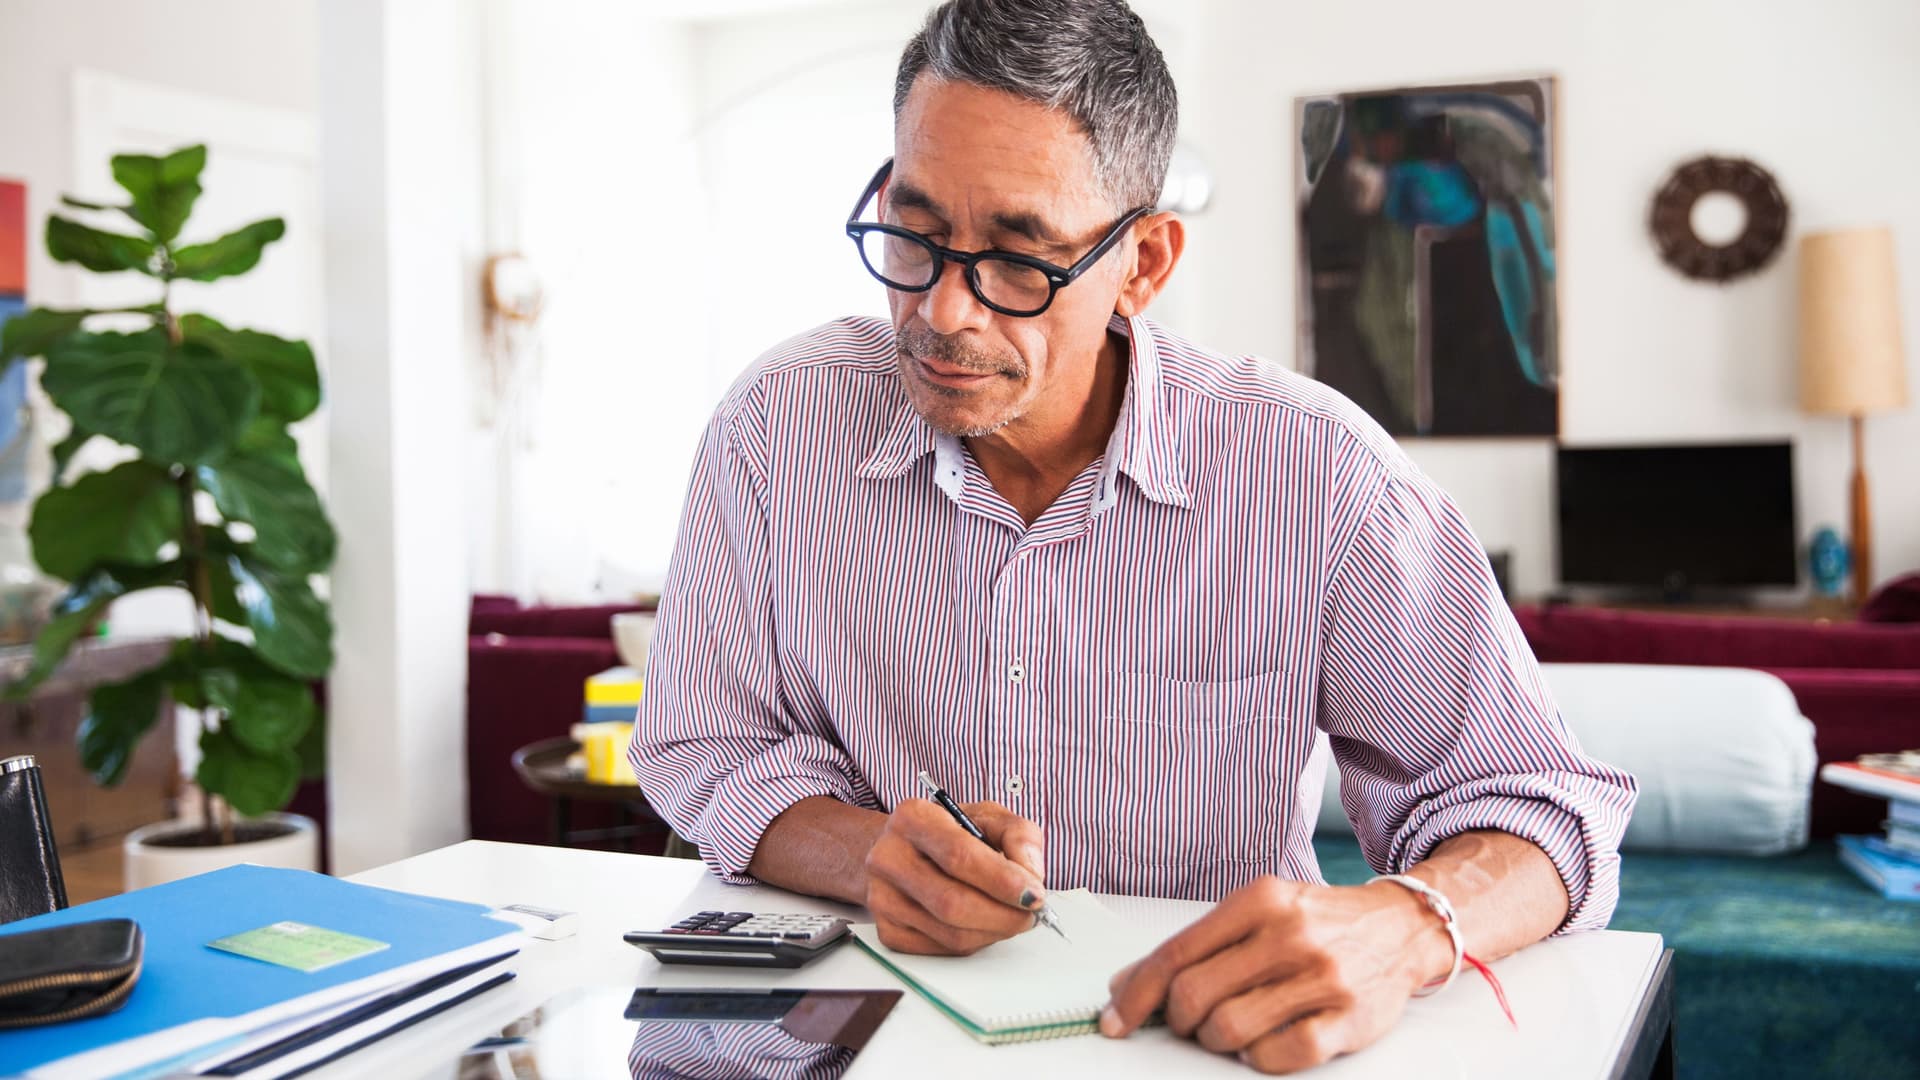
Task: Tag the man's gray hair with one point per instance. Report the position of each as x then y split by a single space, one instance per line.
1091 58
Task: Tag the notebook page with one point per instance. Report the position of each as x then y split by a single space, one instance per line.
1035 978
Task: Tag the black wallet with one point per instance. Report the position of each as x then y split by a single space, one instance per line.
30 884
68 972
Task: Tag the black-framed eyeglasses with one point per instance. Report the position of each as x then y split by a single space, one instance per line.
1009 283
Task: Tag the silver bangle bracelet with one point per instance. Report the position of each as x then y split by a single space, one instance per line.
1437 901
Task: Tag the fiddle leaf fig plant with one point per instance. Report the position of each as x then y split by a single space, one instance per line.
210 497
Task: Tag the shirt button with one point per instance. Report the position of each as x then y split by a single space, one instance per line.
1017 672
1014 786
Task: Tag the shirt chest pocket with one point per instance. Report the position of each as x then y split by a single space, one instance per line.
1186 772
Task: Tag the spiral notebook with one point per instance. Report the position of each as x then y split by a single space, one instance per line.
1030 987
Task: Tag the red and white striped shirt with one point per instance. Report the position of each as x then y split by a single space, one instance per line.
1143 672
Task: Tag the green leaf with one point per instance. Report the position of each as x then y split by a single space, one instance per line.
220 580
252 782
235 253
264 709
312 750
292 628
186 689
121 516
183 403
289 379
291 530
163 189
268 437
76 612
31 332
103 252
120 714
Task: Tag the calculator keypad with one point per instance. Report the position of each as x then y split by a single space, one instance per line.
800 929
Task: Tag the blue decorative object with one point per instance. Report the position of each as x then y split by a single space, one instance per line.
15 418
1829 560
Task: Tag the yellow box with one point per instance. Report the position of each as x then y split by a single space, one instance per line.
605 747
614 686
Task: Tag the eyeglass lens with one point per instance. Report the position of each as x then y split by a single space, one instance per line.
910 264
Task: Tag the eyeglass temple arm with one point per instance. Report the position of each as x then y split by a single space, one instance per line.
873 187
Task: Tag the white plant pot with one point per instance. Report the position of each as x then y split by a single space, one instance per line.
150 864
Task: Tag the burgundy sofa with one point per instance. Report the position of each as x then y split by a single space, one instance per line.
1858 682
526 680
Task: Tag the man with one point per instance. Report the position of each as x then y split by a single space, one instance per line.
1105 583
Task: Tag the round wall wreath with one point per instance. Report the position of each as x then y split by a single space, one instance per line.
1759 238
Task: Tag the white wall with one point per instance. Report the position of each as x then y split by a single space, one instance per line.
241 49
676 174
605 202
247 53
1816 92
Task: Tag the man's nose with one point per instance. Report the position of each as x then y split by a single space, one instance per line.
950 305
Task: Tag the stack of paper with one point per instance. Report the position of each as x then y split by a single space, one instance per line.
265 972
1891 862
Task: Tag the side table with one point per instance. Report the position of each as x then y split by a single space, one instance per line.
542 766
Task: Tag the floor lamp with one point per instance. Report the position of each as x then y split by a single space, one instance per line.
1852 362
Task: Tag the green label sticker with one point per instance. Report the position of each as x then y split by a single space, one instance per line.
298 946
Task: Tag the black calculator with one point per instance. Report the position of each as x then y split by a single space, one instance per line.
743 939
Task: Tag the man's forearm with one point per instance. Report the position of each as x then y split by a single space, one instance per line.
819 846
1505 891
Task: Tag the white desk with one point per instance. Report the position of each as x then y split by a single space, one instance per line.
1582 1002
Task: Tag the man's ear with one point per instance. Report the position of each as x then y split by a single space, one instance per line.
1162 237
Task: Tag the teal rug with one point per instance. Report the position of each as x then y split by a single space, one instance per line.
1783 967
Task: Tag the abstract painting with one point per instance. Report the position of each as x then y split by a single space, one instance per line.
1426 255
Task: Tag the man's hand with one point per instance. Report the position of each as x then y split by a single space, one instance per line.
933 888
1287 975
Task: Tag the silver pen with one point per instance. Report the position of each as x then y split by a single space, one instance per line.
1044 916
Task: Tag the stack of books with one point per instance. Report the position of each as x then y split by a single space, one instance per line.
612 696
1889 862
606 726
266 974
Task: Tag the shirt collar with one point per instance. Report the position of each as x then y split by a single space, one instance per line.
1143 444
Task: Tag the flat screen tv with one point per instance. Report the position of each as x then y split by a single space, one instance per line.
1677 518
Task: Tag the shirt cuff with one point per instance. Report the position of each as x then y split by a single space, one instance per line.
1583 844
729 828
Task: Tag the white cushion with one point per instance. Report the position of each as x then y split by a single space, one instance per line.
1724 759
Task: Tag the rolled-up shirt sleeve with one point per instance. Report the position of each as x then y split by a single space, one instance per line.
1437 712
716 749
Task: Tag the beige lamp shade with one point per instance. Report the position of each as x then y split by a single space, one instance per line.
1852 360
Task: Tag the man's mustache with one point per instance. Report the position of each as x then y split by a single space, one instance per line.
922 344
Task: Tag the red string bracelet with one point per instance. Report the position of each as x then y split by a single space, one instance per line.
1499 992
1438 903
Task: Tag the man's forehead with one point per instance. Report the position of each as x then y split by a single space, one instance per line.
967 150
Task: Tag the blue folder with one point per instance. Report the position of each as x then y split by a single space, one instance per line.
182 980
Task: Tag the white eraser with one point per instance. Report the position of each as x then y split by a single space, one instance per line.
543 923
